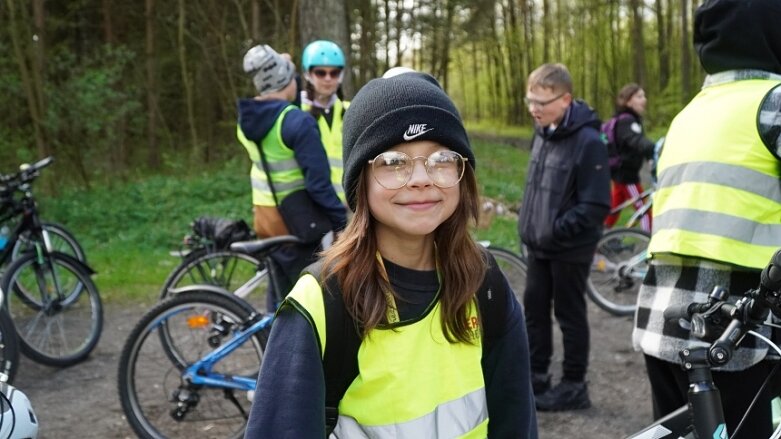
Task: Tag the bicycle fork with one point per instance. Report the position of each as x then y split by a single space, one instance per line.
704 398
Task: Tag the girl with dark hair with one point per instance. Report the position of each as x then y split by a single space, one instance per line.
633 147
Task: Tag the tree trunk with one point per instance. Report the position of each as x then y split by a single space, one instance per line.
187 83
153 158
685 53
546 30
662 41
638 43
27 81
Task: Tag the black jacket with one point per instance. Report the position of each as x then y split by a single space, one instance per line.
567 194
633 147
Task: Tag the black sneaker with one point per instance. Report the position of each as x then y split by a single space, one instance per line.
567 395
540 383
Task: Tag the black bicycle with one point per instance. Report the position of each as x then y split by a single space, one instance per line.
703 416
54 304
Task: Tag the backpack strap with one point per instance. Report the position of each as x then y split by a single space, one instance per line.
493 312
340 358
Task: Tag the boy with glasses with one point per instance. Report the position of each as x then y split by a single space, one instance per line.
566 199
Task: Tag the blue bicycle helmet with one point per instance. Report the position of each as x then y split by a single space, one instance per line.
322 53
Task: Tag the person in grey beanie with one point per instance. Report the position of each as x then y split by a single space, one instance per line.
406 327
272 129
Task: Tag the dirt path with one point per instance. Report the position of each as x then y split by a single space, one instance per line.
82 401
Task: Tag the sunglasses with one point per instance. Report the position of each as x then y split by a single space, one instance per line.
322 73
393 169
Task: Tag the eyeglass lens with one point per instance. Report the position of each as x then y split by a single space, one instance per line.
393 169
322 73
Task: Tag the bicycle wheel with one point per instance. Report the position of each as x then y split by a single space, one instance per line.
226 269
66 324
9 347
60 238
618 269
200 321
514 268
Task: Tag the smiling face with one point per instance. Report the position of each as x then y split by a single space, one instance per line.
546 105
416 209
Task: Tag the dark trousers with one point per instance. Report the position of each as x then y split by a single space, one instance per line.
562 285
669 389
289 260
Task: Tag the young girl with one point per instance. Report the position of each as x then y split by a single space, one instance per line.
440 341
323 64
634 148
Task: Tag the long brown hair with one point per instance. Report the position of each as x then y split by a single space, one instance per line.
625 94
352 261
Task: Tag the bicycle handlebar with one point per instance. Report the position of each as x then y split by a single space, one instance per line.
708 318
27 172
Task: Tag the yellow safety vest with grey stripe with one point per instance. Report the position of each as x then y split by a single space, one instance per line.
331 136
719 191
411 383
285 172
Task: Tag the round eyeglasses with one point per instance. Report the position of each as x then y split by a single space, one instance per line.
393 169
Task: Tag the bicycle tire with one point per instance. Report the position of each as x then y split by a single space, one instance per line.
61 239
46 332
514 268
612 284
9 347
141 357
226 269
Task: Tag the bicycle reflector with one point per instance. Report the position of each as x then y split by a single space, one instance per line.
199 321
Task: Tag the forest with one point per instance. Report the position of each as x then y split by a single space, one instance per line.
116 90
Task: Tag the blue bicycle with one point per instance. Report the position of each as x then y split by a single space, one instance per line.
189 367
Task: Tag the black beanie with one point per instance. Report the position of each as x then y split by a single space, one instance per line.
388 111
738 34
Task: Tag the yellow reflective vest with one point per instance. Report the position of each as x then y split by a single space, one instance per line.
719 195
331 136
411 383
285 171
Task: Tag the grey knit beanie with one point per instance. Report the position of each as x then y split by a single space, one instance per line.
270 72
394 109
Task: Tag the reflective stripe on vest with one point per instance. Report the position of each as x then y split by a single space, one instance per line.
283 167
331 136
719 192
411 382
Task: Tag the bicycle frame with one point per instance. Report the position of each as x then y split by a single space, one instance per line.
200 372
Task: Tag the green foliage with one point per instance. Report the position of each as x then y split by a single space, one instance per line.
501 171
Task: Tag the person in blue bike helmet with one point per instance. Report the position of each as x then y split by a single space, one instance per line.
323 63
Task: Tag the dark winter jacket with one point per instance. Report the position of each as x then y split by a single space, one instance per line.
300 133
567 194
633 147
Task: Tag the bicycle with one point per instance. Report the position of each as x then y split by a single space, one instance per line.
50 296
618 269
207 259
646 198
703 416
619 266
200 352
22 239
9 345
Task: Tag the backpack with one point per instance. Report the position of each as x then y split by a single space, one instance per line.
608 134
340 359
221 231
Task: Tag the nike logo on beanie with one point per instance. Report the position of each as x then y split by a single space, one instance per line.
415 130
